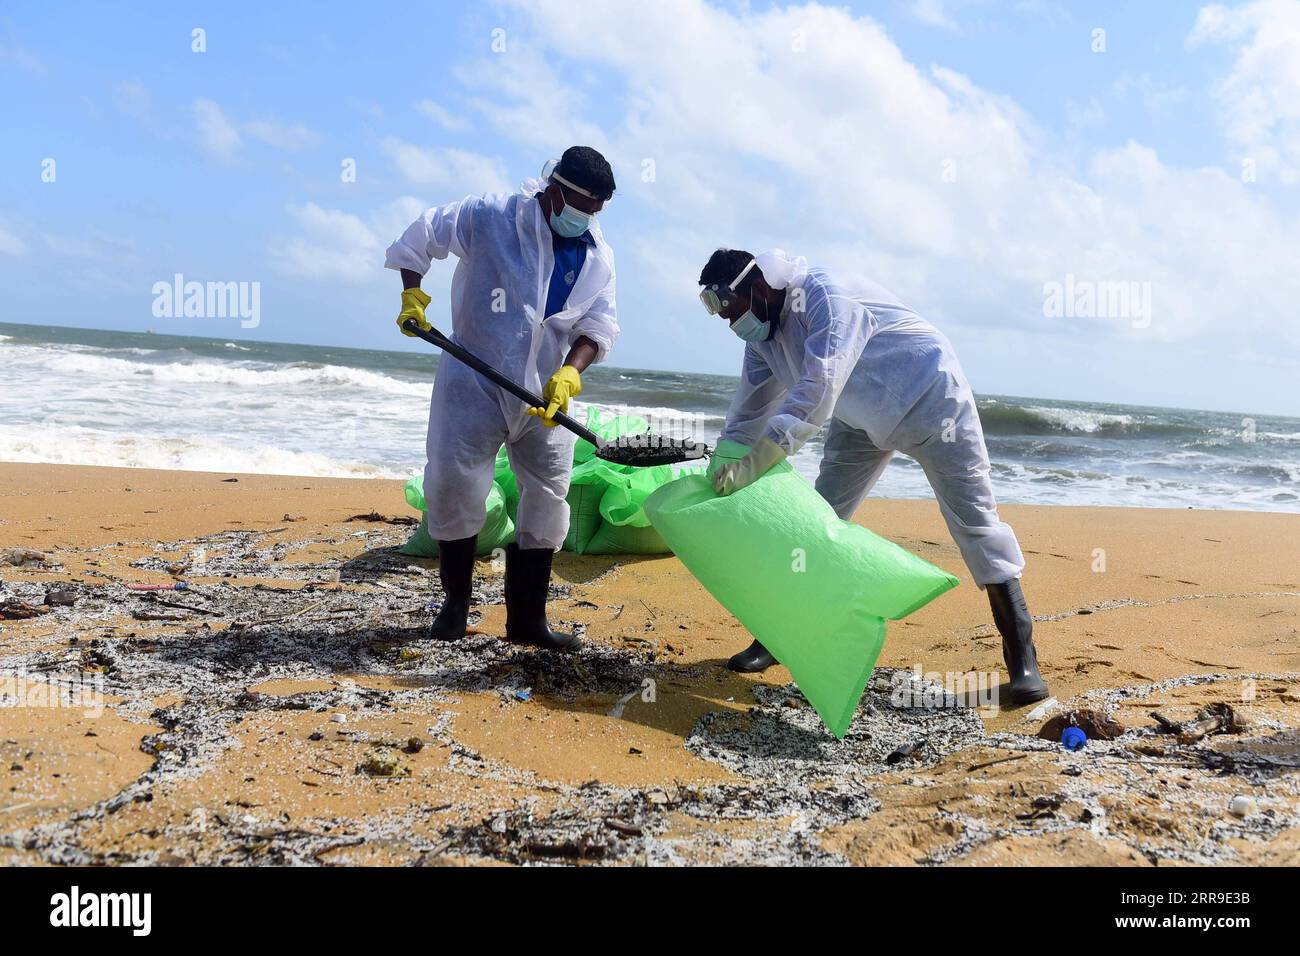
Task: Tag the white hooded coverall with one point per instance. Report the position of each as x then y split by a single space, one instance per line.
887 381
498 301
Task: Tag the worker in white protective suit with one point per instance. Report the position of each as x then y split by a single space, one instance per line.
533 295
820 349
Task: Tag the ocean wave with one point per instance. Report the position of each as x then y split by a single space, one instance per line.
1287 474
1001 419
1020 471
233 374
84 446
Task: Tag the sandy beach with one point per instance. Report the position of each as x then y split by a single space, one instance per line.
285 708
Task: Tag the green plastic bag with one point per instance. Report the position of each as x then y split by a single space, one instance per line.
606 513
505 478
498 529
815 590
606 501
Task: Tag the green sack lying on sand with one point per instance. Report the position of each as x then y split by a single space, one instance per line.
813 589
606 508
606 513
498 529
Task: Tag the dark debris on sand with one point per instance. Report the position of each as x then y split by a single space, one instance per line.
340 616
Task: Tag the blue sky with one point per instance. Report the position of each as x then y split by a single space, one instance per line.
967 154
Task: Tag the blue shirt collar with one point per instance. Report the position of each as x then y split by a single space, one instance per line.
586 238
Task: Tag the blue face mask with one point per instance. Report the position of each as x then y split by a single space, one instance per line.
570 222
749 328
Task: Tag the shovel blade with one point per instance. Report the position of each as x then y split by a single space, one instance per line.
647 451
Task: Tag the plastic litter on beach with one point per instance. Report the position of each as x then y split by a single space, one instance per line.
1073 738
22 557
904 751
1043 709
1217 718
174 586
376 517
1241 806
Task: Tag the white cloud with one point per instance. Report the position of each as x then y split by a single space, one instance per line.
458 171
1259 101
1158 98
934 13
218 136
223 137
441 115
339 245
1078 117
815 133
291 137
1216 22
531 104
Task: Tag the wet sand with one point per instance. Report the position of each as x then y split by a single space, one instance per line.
287 709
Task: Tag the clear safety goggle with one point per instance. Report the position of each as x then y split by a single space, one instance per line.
549 173
717 297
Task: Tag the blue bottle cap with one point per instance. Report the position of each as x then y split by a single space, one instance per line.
1073 738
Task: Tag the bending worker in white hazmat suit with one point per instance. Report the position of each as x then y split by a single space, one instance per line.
533 294
821 350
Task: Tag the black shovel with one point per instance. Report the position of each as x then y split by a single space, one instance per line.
639 451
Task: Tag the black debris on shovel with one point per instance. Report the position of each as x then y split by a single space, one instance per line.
647 450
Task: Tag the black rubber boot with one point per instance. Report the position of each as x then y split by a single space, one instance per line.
528 579
456 572
751 660
1011 615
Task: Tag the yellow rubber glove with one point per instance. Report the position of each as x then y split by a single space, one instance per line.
413 303
563 385
735 475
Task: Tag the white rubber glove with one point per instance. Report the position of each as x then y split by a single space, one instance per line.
737 474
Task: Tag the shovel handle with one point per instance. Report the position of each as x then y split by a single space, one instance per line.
533 400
